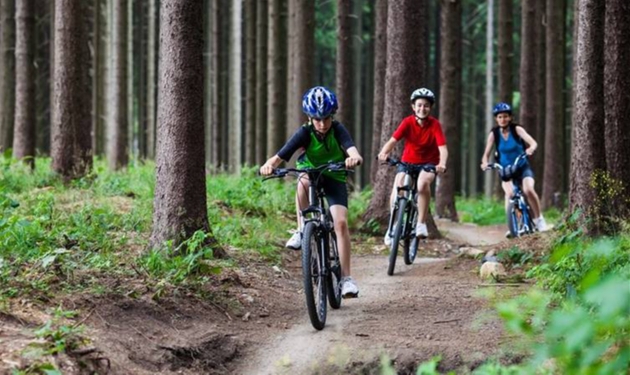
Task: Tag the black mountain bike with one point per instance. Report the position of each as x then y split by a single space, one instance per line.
404 216
321 267
518 215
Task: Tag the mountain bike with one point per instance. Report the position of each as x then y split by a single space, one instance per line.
519 219
321 266
404 215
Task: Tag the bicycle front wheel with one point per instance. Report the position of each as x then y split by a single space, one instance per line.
333 278
313 276
398 229
410 247
515 220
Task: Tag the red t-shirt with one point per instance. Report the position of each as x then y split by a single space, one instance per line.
421 142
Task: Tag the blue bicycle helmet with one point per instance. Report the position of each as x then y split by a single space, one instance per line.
319 102
501 108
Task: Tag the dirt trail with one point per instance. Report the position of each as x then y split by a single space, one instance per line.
426 309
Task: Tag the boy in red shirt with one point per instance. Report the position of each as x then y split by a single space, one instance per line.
424 144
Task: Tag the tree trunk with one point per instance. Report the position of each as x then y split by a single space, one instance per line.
277 73
250 82
24 135
7 73
215 48
616 102
380 64
406 71
152 53
141 64
71 141
451 99
539 159
528 111
180 189
588 149
506 50
261 81
301 60
345 66
235 136
359 78
43 75
489 177
554 114
117 120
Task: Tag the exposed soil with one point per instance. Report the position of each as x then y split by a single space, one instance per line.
257 321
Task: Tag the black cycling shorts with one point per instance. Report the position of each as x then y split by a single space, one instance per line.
336 191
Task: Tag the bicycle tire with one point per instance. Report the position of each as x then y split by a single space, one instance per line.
410 246
393 249
515 217
314 288
334 273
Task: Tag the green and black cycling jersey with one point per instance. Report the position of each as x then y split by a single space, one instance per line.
319 150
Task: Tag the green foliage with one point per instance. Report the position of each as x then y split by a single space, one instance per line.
514 257
480 211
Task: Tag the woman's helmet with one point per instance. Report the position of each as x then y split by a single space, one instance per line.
423 93
319 102
501 108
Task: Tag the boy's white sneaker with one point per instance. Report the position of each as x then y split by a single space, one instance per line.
541 224
421 230
388 239
349 288
295 242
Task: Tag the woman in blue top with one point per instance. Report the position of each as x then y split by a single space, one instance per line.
512 142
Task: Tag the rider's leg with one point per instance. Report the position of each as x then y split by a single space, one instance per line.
340 218
301 198
532 197
424 194
398 181
509 190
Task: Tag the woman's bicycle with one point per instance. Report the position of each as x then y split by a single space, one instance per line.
519 219
404 216
321 267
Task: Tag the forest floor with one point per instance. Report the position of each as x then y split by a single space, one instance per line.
256 322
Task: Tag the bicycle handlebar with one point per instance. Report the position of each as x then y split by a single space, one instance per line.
333 167
500 167
412 167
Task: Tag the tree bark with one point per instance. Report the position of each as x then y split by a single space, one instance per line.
539 158
180 189
406 71
277 74
152 53
117 124
380 64
250 82
235 137
554 114
345 66
617 102
451 99
261 81
488 177
506 50
7 73
43 75
588 149
24 135
528 111
71 141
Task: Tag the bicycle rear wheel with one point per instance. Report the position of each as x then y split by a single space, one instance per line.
314 283
333 279
398 226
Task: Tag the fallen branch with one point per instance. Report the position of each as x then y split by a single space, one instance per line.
446 321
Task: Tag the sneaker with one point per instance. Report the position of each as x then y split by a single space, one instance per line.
348 288
388 239
508 234
421 230
541 224
295 242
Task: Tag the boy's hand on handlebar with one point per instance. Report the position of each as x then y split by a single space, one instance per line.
440 168
382 156
530 151
266 170
352 162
